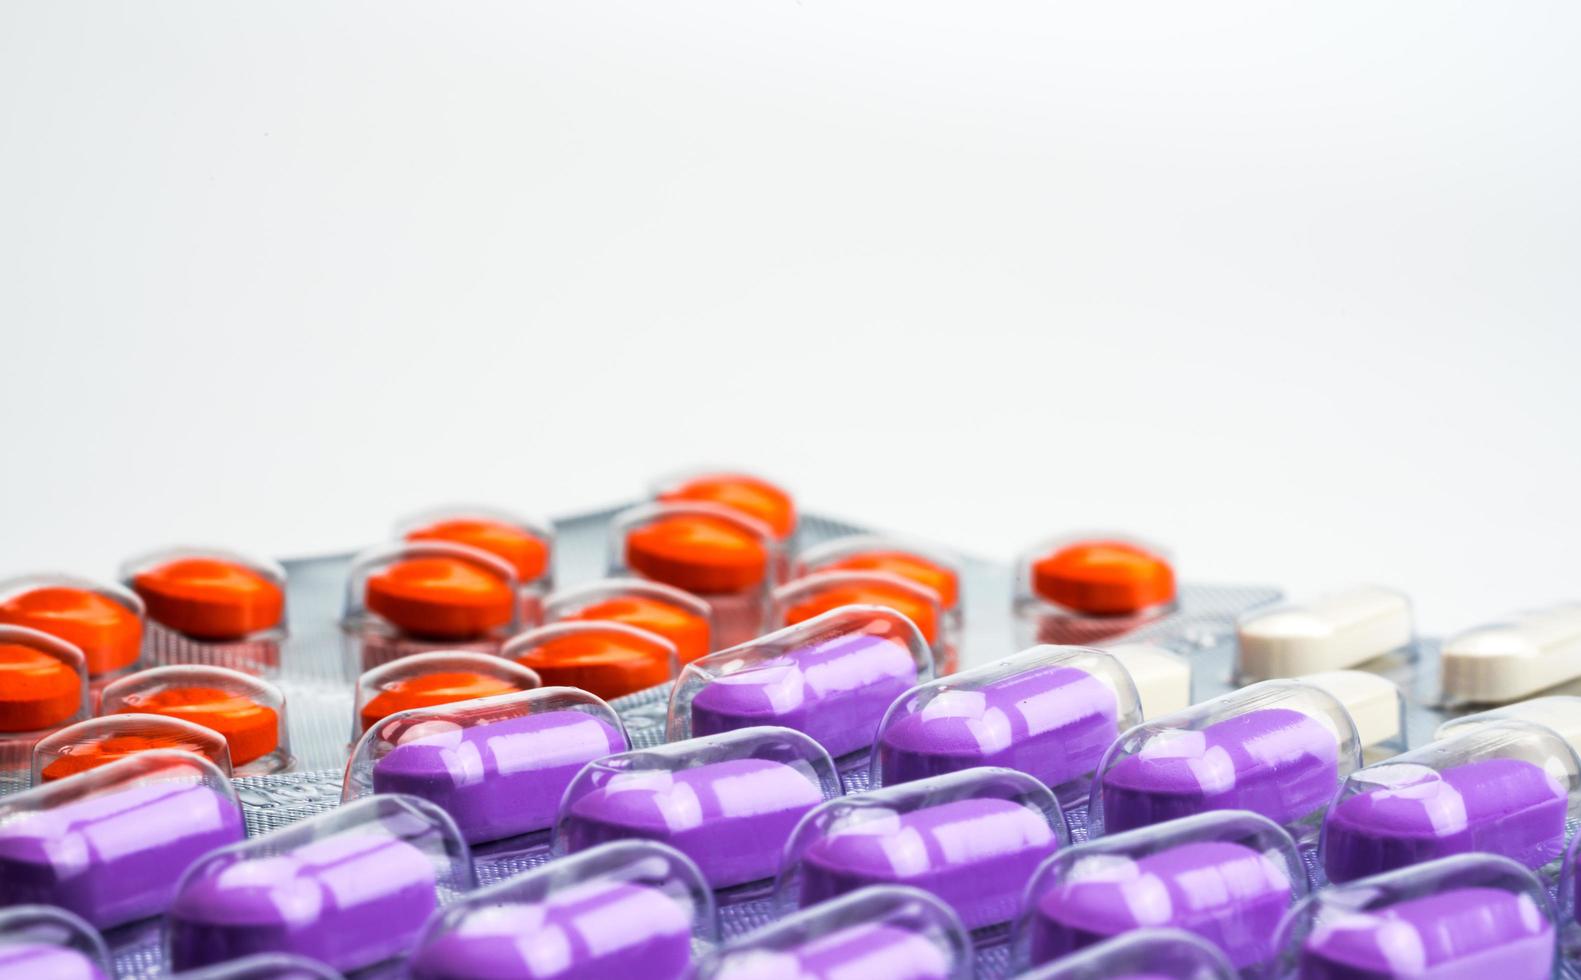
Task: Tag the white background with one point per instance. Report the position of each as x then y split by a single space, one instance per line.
1291 288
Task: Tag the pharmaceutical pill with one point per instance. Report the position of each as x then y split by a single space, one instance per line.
1561 713
441 597
679 617
831 677
699 552
114 853
1103 578
604 658
247 711
1162 677
731 817
1515 658
876 950
426 680
975 854
822 592
499 778
518 545
42 681
752 496
45 961
913 566
1141 954
99 741
211 598
1374 703
1460 932
1328 633
104 622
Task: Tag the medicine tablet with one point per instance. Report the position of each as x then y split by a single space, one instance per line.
1504 661
427 680
604 658
247 711
752 496
1328 633
1161 676
1375 704
801 600
96 742
1153 953
1559 712
211 596
105 622
43 681
524 547
678 616
38 942
1104 577
442 597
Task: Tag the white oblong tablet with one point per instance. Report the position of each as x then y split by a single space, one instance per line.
1375 703
1331 632
1558 712
1509 660
1162 678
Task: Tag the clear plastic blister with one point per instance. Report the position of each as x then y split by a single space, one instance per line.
729 560
417 596
1514 658
1228 877
744 493
1330 632
1509 788
678 616
813 595
248 712
729 801
916 834
498 765
1092 587
40 942
526 545
1161 954
1559 712
87 745
632 908
210 606
45 686
426 680
1049 712
883 931
350 888
1474 915
162 810
831 677
1279 748
607 658
103 620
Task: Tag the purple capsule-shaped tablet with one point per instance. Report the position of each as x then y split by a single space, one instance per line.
869 949
46 961
500 778
349 900
1277 762
116 856
835 690
585 931
1503 806
1458 934
1229 894
976 854
732 817
1050 722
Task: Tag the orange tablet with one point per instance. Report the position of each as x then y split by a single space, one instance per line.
699 553
749 495
251 729
1104 578
108 632
681 626
428 690
871 591
606 659
524 551
98 741
37 689
210 598
440 596
906 564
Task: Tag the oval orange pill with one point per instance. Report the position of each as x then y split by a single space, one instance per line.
609 660
210 598
251 729
37 690
681 626
698 553
907 565
922 612
525 552
1104 578
429 690
109 634
755 497
441 597
94 748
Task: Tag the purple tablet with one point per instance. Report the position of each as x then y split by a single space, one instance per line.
1227 893
1280 763
836 691
349 900
1461 934
1052 723
116 856
873 950
500 778
45 961
974 854
1503 806
585 931
732 817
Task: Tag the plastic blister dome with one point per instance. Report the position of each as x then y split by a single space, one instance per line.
426 680
210 605
1088 588
38 942
526 545
248 712
678 616
97 742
